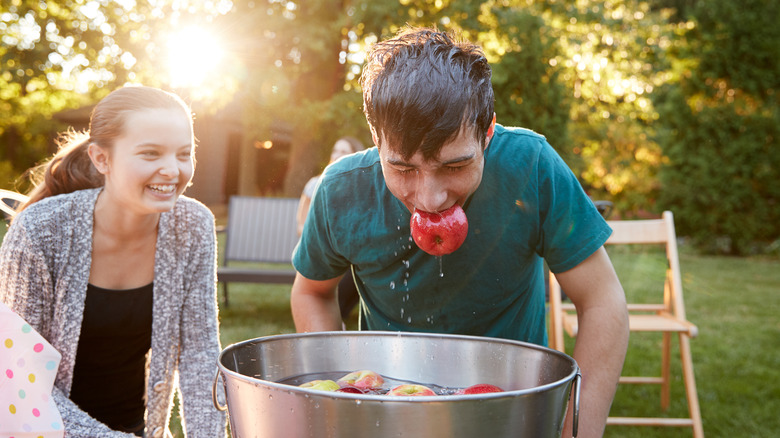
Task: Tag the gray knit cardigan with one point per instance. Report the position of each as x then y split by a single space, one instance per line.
44 268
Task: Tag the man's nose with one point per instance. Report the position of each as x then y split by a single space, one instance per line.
431 194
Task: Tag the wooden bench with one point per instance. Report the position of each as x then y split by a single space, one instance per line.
262 230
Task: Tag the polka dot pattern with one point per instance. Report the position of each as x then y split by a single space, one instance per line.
28 365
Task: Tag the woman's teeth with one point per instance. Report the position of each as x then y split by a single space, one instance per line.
163 188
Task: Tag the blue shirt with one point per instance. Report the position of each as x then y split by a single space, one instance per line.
528 208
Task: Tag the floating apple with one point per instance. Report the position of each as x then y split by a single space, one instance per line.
441 232
322 385
363 379
411 389
480 388
351 390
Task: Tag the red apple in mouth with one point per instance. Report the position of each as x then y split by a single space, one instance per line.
411 389
441 232
321 385
363 379
480 388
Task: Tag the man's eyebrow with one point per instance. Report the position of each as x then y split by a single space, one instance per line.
398 162
402 163
459 159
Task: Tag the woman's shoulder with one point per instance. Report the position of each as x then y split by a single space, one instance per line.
193 212
60 209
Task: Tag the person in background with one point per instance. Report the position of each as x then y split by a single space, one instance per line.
429 104
116 269
347 291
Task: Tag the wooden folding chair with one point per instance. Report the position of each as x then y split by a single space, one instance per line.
10 202
667 317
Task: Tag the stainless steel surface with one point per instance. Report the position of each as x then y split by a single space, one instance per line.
537 381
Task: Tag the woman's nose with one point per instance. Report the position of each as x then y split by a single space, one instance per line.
170 167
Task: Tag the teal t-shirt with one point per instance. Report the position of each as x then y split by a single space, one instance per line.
528 208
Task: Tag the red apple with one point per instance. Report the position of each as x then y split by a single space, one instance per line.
441 232
363 379
480 388
351 390
411 389
322 385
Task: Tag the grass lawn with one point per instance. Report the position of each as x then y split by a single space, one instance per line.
735 304
734 301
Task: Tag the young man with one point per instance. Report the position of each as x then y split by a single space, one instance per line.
429 103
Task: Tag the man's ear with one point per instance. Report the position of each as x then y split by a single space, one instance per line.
490 131
99 157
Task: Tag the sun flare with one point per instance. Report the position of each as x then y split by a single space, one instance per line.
193 54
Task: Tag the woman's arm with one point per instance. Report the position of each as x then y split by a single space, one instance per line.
27 287
303 211
200 346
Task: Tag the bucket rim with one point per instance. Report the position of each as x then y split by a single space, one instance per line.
386 398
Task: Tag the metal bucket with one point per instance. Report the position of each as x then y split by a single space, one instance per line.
536 380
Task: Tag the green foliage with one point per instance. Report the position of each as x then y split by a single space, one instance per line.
529 90
721 124
655 104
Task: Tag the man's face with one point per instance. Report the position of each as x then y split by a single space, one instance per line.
437 184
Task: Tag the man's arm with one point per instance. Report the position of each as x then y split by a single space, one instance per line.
602 338
314 305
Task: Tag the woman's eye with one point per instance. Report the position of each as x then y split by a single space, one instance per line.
184 156
149 153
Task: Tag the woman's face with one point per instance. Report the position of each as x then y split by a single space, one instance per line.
152 162
340 149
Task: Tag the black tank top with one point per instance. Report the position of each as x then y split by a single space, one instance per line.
109 375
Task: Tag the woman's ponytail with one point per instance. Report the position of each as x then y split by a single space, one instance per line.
70 169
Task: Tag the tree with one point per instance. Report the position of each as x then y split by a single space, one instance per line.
721 121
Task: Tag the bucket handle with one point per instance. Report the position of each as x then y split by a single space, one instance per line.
576 410
214 394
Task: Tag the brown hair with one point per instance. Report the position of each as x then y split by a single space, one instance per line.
423 87
71 169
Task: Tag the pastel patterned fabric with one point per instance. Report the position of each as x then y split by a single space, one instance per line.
28 365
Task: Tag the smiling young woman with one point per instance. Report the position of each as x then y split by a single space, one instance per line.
115 268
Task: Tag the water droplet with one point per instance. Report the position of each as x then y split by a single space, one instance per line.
357 402
377 423
409 319
270 396
392 285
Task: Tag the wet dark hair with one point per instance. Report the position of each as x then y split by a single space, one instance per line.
423 87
